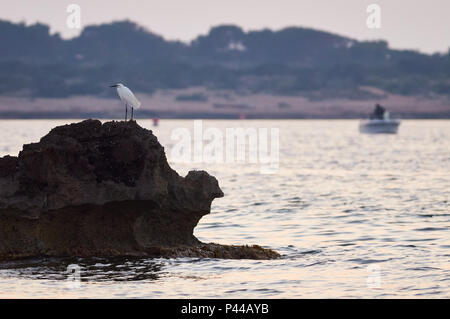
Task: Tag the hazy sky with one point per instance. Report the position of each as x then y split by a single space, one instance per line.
412 24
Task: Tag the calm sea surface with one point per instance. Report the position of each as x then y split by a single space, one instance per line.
353 216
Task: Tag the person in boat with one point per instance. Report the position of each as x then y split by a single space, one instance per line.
378 113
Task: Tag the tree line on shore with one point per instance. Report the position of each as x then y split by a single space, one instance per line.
292 61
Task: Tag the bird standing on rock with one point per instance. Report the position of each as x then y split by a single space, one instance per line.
128 98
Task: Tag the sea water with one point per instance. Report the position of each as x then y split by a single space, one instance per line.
353 216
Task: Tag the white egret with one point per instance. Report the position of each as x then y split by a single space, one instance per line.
127 97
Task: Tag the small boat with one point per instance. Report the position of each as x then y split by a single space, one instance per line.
379 122
377 126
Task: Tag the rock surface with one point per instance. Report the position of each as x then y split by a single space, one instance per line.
93 189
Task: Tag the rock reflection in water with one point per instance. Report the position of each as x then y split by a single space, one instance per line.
91 269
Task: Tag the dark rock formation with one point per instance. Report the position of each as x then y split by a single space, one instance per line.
88 189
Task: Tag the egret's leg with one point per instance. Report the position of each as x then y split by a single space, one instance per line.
132 111
126 111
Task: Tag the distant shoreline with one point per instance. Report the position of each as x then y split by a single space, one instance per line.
201 102
193 115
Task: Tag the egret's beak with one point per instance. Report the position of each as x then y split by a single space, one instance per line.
113 86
